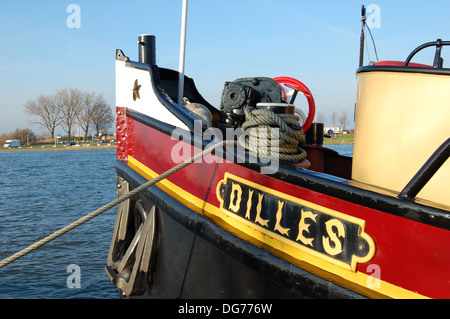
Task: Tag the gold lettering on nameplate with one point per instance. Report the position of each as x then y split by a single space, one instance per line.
305 226
235 198
332 244
258 219
278 227
249 204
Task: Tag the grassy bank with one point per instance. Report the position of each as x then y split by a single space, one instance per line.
59 147
340 139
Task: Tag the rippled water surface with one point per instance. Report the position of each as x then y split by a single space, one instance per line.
41 192
344 149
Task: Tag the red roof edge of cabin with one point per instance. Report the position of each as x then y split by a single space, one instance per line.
401 63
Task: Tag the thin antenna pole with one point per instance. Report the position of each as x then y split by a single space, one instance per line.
182 52
361 43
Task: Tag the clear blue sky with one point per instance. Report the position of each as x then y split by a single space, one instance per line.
314 41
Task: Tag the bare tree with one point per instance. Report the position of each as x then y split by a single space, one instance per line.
3 138
102 117
46 110
334 118
84 117
320 118
343 118
70 103
68 107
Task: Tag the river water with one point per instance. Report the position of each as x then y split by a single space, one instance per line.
344 149
43 191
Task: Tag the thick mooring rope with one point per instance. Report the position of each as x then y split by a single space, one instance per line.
110 205
264 126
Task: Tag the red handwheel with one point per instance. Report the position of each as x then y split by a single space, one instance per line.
300 87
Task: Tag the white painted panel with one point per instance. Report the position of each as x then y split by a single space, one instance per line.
146 102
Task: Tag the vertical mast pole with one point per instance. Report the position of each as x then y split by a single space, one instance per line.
182 52
361 43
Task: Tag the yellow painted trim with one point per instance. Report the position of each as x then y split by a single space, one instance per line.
276 244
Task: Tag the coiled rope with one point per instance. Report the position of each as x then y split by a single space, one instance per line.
273 135
110 205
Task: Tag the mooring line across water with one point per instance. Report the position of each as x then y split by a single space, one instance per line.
110 205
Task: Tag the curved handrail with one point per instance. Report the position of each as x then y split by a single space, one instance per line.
437 58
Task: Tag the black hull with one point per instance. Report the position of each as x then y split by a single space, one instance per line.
193 258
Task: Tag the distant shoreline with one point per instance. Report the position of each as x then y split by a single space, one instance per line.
338 143
58 148
338 140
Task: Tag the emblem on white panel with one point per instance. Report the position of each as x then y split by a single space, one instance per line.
136 89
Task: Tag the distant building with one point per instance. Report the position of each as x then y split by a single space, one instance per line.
108 137
334 129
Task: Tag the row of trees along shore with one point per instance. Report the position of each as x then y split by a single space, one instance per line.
67 107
